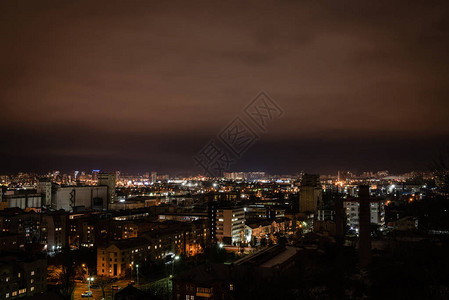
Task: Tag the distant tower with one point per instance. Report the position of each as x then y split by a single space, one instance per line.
310 194
339 216
364 226
153 177
44 188
108 179
95 174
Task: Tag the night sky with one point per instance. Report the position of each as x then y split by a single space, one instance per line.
142 86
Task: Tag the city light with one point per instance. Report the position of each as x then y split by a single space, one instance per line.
224 150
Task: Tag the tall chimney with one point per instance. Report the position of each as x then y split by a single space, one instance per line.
339 213
364 227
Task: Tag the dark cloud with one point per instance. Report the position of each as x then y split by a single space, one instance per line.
124 82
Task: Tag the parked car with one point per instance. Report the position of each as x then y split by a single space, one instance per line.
115 287
131 283
86 294
94 286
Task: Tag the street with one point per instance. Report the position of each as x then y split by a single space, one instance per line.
80 288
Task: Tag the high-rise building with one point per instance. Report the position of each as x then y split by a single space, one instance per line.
95 174
310 194
153 177
108 179
353 212
212 215
230 225
44 188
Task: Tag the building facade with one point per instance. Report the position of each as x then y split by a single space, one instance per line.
230 225
22 277
109 180
352 208
69 198
310 194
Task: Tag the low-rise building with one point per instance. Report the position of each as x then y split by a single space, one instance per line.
72 198
408 223
118 258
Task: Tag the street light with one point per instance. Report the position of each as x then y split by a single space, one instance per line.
137 272
89 279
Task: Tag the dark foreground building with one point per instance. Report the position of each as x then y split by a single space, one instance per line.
22 276
231 281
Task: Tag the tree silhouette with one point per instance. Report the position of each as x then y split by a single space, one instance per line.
67 273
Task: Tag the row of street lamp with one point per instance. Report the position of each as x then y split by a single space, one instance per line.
91 279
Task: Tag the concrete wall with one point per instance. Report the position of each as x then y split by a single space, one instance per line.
82 196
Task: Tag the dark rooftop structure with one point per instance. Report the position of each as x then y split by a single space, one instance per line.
131 293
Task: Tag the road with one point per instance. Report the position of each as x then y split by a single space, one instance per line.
161 284
96 293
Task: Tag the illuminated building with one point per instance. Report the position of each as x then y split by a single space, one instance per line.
230 225
310 194
352 207
95 174
153 177
54 231
118 258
